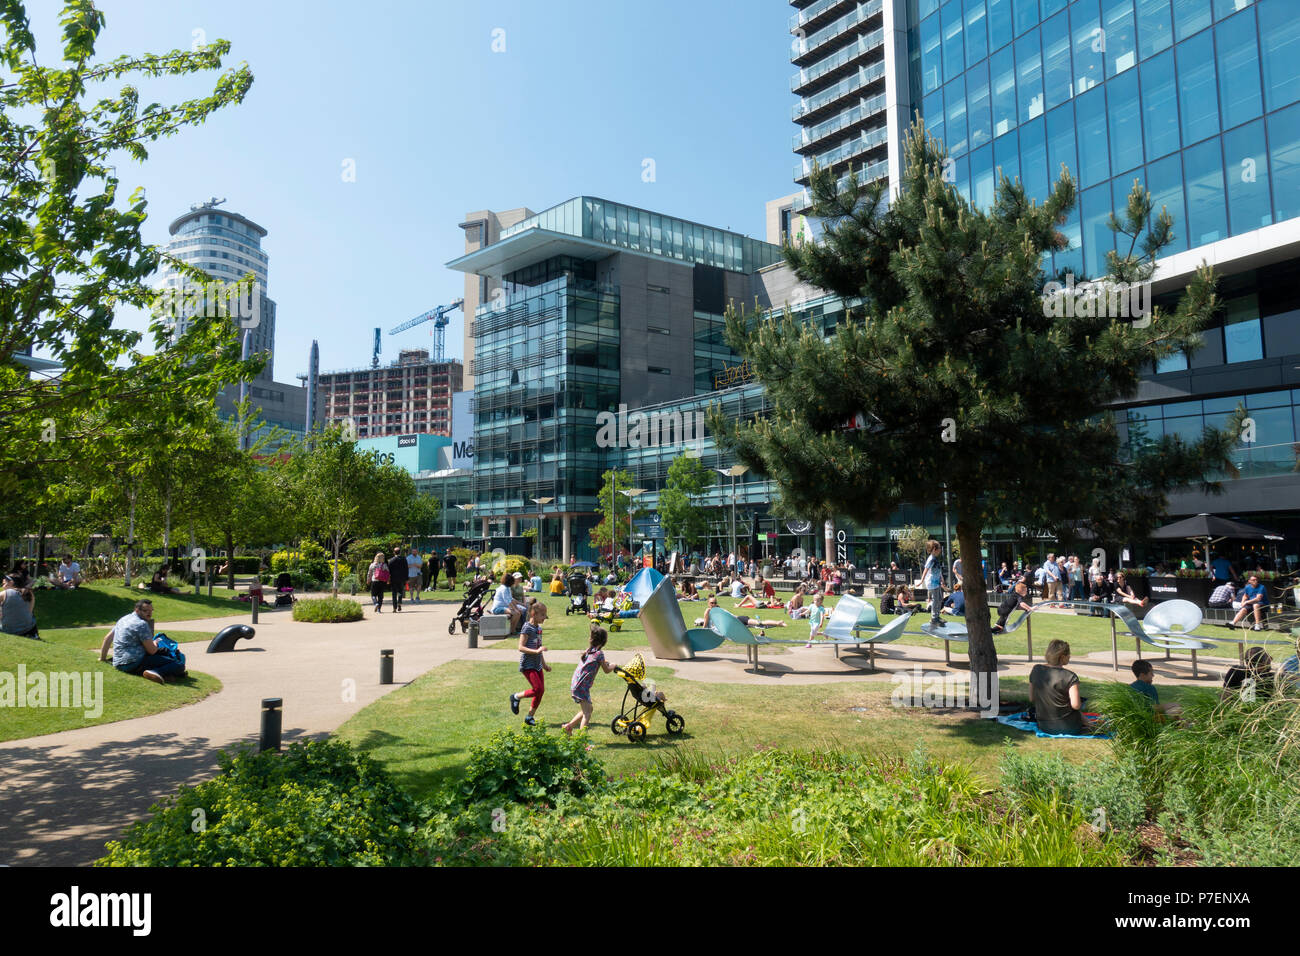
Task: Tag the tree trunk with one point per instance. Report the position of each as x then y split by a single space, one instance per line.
130 538
230 559
983 655
337 542
40 548
193 574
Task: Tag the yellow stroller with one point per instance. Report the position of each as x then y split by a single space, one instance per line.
634 720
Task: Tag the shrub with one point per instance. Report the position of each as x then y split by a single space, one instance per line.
1112 786
462 557
350 583
309 558
328 610
318 804
513 563
530 765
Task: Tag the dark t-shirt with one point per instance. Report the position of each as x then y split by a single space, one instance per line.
398 571
1049 691
1146 690
1010 601
449 564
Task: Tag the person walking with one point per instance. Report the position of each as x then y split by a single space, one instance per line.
449 565
433 566
414 573
398 573
377 576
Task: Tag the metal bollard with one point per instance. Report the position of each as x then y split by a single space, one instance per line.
209 584
271 715
386 666
473 633
256 601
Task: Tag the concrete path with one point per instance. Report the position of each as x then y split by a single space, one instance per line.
63 795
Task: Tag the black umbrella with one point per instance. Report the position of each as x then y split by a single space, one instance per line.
1213 527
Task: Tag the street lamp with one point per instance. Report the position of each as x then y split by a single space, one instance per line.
735 471
467 509
541 503
632 494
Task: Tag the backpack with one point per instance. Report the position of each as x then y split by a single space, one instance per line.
381 573
169 648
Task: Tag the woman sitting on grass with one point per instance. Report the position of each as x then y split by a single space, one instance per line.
795 606
889 600
688 592
18 610
1054 694
906 603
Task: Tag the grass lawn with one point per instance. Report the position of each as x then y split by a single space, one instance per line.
423 732
120 696
104 602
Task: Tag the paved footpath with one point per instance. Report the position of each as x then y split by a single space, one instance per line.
63 795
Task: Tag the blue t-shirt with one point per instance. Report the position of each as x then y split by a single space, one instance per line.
957 601
932 575
1146 690
129 633
532 635
1222 568
1251 590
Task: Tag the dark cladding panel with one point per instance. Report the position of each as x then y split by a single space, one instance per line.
709 289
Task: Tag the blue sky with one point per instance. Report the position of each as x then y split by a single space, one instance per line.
439 124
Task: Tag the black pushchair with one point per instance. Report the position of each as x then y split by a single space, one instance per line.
471 608
577 594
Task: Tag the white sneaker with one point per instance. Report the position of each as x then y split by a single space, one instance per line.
1257 628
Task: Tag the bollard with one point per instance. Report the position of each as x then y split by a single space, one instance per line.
271 715
386 666
256 602
209 584
473 633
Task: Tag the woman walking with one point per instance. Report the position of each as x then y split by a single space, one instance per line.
377 576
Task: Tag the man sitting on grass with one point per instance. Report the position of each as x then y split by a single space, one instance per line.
68 573
134 650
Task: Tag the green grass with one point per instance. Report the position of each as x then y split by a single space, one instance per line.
105 602
122 697
423 732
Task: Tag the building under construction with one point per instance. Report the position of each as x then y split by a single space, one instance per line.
410 396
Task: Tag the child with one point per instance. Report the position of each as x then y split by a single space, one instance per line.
1145 685
817 617
584 675
532 662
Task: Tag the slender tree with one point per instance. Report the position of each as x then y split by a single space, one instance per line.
957 372
680 518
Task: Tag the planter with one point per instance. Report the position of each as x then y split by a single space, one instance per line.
1162 588
1196 590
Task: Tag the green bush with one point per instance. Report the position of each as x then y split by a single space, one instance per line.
328 610
309 559
1112 786
530 765
350 584
318 804
514 564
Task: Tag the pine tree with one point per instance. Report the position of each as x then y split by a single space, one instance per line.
955 371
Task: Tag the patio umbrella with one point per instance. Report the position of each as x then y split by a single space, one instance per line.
1212 529
583 564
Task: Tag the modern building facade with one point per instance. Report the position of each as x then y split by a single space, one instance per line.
412 395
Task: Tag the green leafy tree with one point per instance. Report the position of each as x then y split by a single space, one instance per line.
339 492
680 518
618 512
71 253
956 372
912 544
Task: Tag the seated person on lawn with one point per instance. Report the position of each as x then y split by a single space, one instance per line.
68 573
1054 693
955 603
134 650
1144 684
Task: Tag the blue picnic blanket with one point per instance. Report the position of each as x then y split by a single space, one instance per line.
1021 721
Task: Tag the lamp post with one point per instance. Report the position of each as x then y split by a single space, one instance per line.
632 494
541 503
467 508
735 471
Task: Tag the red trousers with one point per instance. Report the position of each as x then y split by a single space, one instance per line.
536 687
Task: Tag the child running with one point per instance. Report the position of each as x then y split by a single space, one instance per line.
584 675
532 662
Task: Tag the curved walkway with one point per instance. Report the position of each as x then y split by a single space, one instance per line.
63 795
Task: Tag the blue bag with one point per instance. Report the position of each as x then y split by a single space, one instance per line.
169 648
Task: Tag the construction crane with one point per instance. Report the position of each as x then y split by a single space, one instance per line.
440 322
379 345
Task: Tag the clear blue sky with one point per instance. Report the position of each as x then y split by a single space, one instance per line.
438 124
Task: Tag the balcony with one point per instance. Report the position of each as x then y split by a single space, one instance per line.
807 49
814 136
868 174
828 99
814 14
831 67
863 142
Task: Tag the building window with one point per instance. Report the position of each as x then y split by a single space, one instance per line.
1242 341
